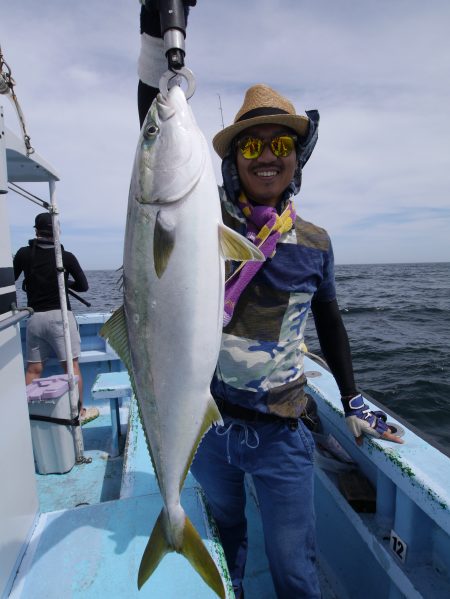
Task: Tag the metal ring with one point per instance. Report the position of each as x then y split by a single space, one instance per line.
171 78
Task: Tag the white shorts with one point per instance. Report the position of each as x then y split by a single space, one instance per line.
45 336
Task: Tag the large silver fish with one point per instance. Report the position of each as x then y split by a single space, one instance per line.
169 328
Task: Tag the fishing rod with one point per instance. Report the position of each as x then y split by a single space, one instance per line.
69 291
79 298
221 111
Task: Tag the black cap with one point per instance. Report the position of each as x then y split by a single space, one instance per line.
43 222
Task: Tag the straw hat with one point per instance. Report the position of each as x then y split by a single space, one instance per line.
262 105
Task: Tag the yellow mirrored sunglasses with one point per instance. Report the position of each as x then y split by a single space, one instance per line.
252 147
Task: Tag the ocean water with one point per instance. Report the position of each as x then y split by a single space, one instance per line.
398 320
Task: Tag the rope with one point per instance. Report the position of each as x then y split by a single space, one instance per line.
28 195
7 84
225 431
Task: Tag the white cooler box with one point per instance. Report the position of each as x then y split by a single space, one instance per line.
53 442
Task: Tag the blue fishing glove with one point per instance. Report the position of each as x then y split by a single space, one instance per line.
362 420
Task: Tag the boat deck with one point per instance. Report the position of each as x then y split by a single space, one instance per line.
94 538
86 484
94 551
104 511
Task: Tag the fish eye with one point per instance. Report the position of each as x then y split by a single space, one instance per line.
151 131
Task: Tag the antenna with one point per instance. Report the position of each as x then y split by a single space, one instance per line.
221 111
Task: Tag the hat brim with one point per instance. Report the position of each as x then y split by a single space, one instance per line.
222 140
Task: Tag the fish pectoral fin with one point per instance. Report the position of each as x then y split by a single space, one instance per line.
192 548
163 242
235 246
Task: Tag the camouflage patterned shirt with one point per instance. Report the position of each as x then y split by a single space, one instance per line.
260 365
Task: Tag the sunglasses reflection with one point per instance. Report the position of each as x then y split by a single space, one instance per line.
251 147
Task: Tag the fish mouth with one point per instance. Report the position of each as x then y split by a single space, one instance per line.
165 110
174 102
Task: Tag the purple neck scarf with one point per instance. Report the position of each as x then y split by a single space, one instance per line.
264 227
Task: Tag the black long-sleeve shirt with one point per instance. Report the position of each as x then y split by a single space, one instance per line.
38 263
334 344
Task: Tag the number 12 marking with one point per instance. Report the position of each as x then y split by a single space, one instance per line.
398 546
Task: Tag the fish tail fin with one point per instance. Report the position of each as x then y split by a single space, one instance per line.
192 547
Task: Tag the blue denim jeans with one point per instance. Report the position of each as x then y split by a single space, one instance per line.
280 461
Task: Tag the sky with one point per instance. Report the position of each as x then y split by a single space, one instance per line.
378 71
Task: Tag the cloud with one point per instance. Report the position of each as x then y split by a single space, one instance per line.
379 178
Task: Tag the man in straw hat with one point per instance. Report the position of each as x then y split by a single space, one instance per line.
259 384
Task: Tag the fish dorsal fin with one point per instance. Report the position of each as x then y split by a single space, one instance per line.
163 242
115 332
235 246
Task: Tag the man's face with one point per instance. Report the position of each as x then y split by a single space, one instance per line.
265 178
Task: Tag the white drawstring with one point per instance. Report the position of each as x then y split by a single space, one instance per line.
226 430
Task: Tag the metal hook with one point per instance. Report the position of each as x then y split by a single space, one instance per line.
171 78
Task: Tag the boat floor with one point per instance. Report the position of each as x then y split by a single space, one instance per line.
86 484
100 481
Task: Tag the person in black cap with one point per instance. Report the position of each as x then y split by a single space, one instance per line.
45 336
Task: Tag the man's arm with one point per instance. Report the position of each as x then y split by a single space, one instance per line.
18 264
74 269
335 347
334 344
